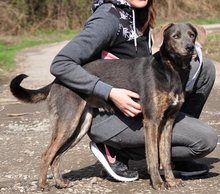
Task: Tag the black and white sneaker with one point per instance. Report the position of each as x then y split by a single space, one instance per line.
117 169
188 169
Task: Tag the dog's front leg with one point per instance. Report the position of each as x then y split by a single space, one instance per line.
165 153
151 145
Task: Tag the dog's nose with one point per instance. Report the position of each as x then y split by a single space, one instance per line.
190 47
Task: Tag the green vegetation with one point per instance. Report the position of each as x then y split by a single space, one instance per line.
206 21
211 48
27 23
203 21
214 37
9 48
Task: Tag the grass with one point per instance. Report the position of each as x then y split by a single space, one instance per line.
204 21
11 45
211 48
207 21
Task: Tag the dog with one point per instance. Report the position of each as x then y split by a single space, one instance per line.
160 81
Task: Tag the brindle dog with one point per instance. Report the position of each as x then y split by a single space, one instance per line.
159 79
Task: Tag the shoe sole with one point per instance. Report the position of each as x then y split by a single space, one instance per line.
106 165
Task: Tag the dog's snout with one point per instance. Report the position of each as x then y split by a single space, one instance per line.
190 47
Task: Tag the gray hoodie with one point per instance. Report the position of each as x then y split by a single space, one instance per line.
111 27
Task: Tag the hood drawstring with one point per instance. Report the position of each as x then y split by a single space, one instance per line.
150 40
135 33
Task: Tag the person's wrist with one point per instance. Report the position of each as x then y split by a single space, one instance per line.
102 90
111 94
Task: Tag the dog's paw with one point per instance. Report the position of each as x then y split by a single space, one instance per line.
180 183
64 183
176 183
161 186
45 187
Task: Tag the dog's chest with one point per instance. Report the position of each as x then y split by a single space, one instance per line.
175 99
176 93
172 88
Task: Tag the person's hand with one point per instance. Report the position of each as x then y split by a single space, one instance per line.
123 100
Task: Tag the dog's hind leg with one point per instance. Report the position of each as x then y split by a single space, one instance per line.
62 129
82 128
46 160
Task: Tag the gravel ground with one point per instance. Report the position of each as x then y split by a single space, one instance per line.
25 134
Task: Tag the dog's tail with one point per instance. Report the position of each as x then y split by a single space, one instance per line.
27 95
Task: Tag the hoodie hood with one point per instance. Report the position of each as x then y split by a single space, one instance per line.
126 7
118 3
127 16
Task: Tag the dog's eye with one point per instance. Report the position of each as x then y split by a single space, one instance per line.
176 36
192 35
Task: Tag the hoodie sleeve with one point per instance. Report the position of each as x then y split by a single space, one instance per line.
100 32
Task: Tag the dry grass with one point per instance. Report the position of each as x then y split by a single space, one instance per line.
11 20
211 48
181 10
17 17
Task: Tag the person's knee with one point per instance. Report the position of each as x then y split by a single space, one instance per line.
209 70
206 144
212 140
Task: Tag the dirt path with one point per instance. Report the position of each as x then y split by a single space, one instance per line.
25 134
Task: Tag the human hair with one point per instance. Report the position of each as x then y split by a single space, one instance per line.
150 16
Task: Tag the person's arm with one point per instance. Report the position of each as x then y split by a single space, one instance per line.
99 33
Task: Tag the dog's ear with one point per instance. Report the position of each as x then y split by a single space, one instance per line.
201 32
158 34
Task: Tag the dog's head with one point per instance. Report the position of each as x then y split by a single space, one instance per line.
177 41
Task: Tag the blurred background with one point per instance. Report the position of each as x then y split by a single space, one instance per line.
22 16
26 23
